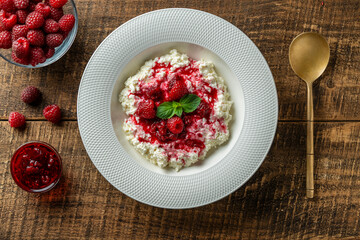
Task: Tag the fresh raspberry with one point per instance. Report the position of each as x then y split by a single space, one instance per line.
24 61
51 26
8 20
175 125
54 39
43 9
57 3
37 56
5 39
203 110
30 94
35 20
7 5
146 109
67 22
19 31
49 52
21 16
177 91
56 13
36 37
52 113
21 4
21 47
16 119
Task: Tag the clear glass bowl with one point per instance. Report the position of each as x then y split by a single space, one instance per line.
60 51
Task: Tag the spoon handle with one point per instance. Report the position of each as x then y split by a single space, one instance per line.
310 144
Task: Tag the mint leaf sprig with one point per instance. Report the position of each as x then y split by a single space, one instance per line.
187 103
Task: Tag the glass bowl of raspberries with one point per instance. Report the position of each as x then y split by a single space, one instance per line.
36 33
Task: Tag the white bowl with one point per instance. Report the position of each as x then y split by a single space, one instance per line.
200 35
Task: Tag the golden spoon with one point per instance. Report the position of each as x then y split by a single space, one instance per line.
309 55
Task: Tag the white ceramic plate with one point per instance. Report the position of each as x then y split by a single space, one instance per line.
200 35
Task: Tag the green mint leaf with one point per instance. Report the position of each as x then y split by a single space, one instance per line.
165 110
176 104
179 111
190 102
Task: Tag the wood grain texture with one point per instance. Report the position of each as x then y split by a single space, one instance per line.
270 24
271 205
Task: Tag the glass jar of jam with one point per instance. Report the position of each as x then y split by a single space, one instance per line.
36 167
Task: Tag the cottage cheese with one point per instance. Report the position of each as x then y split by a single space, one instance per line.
207 132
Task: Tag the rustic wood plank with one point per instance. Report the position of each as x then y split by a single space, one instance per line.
270 206
270 24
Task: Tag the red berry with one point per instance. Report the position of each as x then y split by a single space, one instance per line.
54 40
30 94
21 47
36 37
37 56
67 22
16 119
5 39
146 109
19 31
175 125
52 113
51 26
24 61
35 20
8 20
43 9
177 91
57 3
7 5
56 13
21 4
49 52
21 16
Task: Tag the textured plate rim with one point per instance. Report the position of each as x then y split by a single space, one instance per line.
272 118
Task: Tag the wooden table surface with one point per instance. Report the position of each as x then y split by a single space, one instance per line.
271 205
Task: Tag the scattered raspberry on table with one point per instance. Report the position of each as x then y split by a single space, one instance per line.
52 113
30 94
16 119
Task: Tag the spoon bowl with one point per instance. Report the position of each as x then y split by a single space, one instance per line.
309 55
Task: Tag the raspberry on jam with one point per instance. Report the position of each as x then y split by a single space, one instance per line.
36 167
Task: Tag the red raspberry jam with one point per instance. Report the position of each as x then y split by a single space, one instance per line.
36 167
